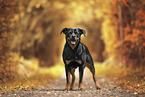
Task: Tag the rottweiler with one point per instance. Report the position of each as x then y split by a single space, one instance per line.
76 54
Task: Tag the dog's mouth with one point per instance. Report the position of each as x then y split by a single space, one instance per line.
73 42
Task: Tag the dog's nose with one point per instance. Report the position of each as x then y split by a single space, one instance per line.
73 37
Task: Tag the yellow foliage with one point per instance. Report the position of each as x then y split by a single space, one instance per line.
36 79
110 70
109 36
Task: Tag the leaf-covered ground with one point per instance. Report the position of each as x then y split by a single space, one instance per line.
115 81
56 89
35 78
132 79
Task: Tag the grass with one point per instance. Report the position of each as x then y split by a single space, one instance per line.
131 79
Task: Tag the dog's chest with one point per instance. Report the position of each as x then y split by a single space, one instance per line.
74 54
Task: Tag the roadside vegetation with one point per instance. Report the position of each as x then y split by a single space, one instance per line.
31 45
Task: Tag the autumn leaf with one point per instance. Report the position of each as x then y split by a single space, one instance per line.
141 13
125 2
144 44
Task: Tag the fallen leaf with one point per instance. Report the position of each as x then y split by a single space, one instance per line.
135 93
79 95
49 93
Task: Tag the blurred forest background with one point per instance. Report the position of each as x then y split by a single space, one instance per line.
30 32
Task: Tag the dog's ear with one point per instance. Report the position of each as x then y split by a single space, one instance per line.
82 31
64 30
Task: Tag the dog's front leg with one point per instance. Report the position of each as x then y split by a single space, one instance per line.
73 78
81 72
67 79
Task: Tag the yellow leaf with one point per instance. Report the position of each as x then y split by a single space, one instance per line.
49 93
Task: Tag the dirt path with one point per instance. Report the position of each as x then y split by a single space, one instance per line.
56 89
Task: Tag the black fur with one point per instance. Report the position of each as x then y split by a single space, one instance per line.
79 52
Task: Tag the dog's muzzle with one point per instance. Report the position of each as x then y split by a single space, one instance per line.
73 40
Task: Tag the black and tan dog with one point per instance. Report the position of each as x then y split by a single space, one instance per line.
76 54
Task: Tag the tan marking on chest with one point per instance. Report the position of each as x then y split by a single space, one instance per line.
78 61
67 61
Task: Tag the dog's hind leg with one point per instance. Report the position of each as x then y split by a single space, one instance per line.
73 78
92 69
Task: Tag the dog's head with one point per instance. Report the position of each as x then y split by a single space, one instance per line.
73 35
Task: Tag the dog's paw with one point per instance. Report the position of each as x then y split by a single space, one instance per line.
81 88
67 88
98 87
71 88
